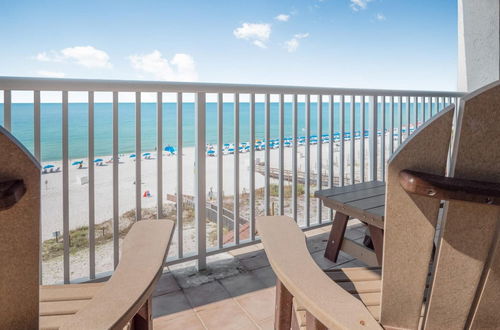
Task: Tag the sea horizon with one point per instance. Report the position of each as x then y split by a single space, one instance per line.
51 124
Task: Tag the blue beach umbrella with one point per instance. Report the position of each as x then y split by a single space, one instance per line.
77 162
48 166
98 160
146 154
211 152
169 149
132 156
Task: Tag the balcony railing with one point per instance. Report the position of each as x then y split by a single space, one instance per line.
236 151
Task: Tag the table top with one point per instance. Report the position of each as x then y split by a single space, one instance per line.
364 201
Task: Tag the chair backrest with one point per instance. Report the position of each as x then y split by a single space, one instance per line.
464 288
19 235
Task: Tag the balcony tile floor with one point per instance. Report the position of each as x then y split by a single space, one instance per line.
237 289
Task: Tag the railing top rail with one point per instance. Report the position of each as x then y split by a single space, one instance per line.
101 85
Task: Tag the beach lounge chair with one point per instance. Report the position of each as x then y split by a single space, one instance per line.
457 288
125 299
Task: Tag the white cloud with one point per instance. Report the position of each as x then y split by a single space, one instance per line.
50 74
356 5
86 56
180 68
259 43
257 33
380 17
293 44
282 17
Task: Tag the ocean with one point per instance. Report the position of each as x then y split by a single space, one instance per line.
51 124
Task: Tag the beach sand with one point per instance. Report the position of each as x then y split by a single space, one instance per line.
78 195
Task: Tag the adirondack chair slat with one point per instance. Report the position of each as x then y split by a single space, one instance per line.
410 223
143 253
69 291
70 307
19 237
361 287
53 322
486 315
468 229
355 274
287 252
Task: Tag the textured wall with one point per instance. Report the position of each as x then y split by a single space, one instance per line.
478 43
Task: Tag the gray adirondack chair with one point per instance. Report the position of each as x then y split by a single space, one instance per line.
125 299
457 288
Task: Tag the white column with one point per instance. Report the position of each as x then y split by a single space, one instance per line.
478 43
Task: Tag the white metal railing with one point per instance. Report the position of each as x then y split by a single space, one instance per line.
341 166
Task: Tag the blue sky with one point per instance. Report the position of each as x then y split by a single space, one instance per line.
398 44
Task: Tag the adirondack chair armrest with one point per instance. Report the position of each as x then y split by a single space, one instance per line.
11 191
445 188
285 246
143 254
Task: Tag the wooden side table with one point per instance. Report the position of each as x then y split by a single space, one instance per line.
363 201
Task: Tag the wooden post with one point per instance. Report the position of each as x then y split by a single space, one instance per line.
143 320
283 307
336 236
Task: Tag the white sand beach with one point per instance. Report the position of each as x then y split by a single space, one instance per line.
78 194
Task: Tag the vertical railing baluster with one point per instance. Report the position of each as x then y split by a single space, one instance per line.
430 107
267 128
408 115
36 121
180 174
159 155
252 166
65 183
400 129
373 137
362 142
91 186
319 155
416 114
307 182
382 140
342 132
352 140
138 151
7 110
220 170
236 199
37 144
116 209
200 182
331 146
294 157
282 155
391 135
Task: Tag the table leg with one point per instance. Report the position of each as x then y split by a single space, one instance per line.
336 236
377 235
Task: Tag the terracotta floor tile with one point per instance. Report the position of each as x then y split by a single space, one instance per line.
266 276
206 293
226 314
170 303
259 304
166 284
242 283
267 324
255 262
183 320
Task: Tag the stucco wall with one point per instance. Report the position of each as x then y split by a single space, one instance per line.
478 43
